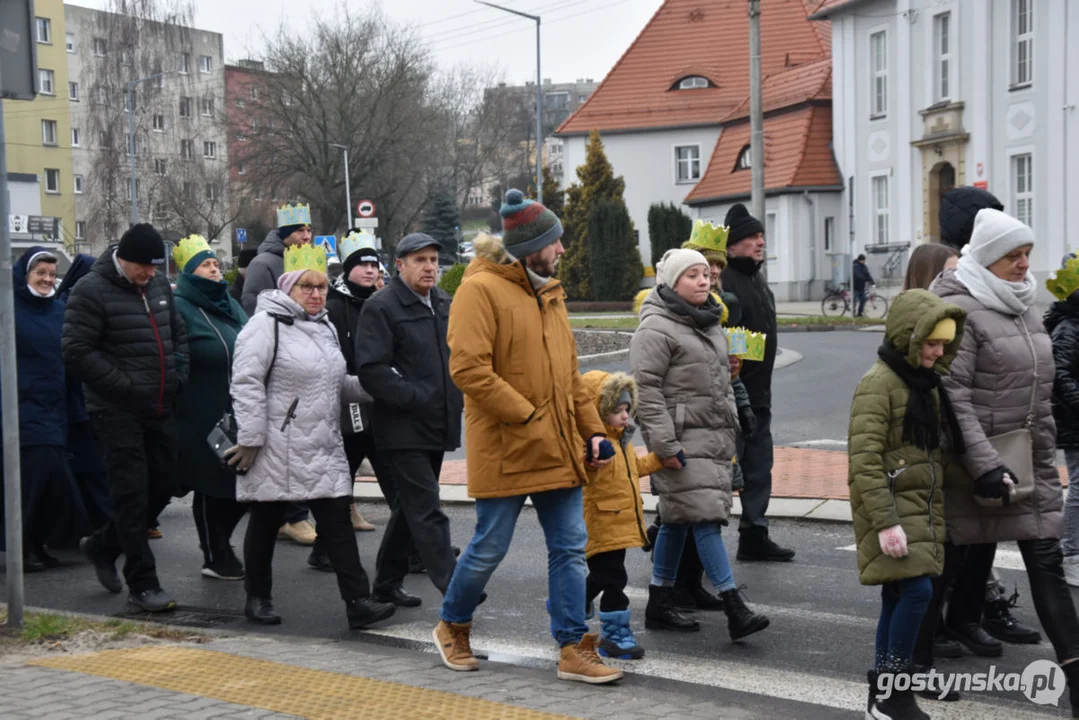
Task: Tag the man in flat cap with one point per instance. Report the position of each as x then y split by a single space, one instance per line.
403 361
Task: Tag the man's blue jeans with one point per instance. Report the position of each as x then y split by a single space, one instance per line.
561 515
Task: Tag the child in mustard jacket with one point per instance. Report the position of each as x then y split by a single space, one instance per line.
614 514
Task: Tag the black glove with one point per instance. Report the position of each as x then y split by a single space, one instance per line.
991 485
748 419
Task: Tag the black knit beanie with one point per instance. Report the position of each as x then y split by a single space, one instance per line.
142 245
362 255
958 207
742 225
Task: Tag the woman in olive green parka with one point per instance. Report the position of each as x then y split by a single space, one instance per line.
901 427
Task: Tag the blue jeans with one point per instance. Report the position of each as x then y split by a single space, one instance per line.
860 299
903 605
710 548
561 515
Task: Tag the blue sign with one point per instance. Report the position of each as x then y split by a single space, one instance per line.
328 243
241 235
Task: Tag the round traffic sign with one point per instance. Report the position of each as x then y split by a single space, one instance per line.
366 208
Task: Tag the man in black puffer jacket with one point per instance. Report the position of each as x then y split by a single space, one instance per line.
121 340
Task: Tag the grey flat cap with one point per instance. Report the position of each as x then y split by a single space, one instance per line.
415 241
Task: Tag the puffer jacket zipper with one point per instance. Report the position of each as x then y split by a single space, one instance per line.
932 490
1030 418
160 353
636 494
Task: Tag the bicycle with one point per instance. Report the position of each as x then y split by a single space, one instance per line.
837 303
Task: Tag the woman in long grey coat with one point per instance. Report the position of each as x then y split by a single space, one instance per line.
288 382
688 418
1001 381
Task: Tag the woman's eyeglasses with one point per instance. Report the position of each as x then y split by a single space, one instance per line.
308 289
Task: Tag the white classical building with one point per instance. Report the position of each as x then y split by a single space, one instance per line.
933 93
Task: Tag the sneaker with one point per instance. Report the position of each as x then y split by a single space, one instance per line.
301 533
152 601
358 522
228 569
452 641
581 663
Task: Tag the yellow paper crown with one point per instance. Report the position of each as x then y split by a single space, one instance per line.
290 214
188 248
745 344
305 257
1064 281
709 239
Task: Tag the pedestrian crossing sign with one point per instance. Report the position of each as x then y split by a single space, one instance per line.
327 243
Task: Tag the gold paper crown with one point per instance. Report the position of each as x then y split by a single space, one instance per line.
305 257
1064 281
745 344
188 248
290 214
709 239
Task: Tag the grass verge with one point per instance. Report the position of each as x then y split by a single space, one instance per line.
843 321
609 323
47 628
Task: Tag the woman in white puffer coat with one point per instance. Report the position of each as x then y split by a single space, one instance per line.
288 382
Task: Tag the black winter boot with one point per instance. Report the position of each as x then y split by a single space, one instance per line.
900 704
661 614
998 621
754 545
741 621
260 610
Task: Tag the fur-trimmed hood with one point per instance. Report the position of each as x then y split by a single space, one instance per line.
606 388
490 248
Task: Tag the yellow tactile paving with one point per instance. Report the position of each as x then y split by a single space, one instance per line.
314 694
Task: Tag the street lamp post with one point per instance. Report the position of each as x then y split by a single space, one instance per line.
348 191
539 96
130 99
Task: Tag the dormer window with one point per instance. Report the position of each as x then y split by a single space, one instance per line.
745 159
694 82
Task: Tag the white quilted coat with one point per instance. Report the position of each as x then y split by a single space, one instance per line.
303 459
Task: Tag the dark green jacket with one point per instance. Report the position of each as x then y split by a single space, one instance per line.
211 333
892 482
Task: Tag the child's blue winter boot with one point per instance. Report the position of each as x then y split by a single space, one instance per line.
616 637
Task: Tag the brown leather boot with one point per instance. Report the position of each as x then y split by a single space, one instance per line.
581 663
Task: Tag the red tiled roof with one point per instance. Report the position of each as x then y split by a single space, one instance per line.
791 87
797 153
825 8
691 37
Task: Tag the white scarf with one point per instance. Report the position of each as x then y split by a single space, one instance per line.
1009 298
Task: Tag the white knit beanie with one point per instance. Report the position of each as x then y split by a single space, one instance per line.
995 235
675 262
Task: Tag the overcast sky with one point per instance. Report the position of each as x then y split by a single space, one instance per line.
581 38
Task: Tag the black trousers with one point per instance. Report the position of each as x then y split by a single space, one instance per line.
415 514
607 579
215 520
1044 562
756 455
140 457
338 540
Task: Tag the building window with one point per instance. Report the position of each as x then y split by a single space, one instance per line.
206 64
693 82
78 184
76 139
73 91
46 79
187 149
80 229
100 47
125 58
1023 188
829 233
745 159
69 42
942 47
104 139
209 150
581 99
880 210
102 95
44 30
254 93
159 123
160 167
206 105
241 169
240 103
183 64
688 163
48 132
240 137
213 192
185 107
1022 42
878 61
52 181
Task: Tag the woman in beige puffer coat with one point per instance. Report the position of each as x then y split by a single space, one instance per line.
688 418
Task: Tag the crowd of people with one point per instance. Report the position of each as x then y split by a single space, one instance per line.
262 398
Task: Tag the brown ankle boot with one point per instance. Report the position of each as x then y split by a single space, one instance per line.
582 663
452 641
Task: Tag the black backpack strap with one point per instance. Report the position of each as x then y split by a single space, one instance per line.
278 319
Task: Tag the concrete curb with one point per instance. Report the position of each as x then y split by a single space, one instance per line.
585 361
830 328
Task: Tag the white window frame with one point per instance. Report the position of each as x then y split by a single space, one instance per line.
78 183
46 24
73 91
213 192
943 57
183 66
46 78
693 82
69 42
102 95
1022 43
206 64
878 76
206 106
254 93
80 229
878 212
745 159
186 102
76 137
689 162
52 188
158 123
1026 197
101 47
187 149
241 169
49 131
209 149
161 167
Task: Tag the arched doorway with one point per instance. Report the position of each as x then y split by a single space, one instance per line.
941 180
